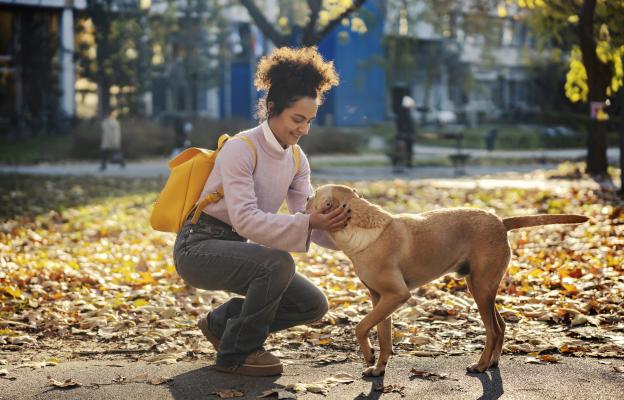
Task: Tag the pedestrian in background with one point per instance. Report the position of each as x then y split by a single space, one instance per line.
404 138
111 141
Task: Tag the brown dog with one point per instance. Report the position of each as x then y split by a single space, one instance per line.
393 254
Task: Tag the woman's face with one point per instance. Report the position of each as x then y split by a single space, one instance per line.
294 122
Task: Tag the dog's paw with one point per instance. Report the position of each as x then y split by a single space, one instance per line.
476 369
373 371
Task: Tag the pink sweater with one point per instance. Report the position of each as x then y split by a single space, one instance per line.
252 197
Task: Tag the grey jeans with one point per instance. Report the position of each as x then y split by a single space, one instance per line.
209 255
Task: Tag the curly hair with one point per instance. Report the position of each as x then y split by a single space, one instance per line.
288 74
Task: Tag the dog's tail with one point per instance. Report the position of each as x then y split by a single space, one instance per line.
542 219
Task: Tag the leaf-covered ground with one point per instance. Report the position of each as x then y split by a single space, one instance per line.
82 273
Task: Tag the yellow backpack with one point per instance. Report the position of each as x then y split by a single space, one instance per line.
189 172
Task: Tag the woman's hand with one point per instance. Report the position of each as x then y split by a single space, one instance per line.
331 221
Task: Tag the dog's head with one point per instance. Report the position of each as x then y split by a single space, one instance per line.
328 197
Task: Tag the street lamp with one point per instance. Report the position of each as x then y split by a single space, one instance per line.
145 59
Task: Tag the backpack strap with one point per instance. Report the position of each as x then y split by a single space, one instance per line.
251 146
297 157
218 195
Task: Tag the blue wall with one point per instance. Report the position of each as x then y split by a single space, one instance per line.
361 96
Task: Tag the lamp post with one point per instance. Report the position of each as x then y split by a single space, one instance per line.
145 58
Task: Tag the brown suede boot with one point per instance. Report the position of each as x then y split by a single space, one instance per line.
202 324
258 363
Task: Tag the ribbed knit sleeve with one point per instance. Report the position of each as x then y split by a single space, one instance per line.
298 193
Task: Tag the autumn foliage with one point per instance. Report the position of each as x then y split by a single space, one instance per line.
81 271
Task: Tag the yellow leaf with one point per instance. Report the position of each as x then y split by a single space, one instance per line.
13 291
140 303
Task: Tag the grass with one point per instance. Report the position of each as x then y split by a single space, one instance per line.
66 147
35 149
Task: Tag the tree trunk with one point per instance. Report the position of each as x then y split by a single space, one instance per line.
598 78
103 81
597 162
622 151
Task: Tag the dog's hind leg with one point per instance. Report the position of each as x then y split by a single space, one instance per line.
498 349
485 297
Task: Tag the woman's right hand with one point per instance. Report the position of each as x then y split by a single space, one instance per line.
331 221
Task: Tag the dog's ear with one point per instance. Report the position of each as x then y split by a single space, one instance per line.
367 215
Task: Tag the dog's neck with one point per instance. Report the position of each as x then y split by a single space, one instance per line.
367 222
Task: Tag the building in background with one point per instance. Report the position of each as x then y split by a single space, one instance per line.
454 75
466 76
37 74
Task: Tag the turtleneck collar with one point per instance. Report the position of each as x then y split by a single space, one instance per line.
269 136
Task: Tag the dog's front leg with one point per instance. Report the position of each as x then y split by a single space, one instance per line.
380 315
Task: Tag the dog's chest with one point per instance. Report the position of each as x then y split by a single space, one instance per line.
354 239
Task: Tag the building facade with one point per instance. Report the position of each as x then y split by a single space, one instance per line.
33 33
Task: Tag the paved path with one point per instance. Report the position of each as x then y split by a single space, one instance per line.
574 378
336 166
349 167
156 168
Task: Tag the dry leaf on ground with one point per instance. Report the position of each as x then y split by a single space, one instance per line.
67 383
228 393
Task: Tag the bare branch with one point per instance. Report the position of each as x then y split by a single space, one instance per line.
332 24
315 8
263 24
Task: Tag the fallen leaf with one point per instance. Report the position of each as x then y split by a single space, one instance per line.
380 387
228 393
37 365
67 383
549 358
160 380
432 376
340 378
277 393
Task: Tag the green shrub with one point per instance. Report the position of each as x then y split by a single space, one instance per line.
320 140
332 140
139 138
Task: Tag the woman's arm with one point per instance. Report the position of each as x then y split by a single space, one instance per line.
298 193
279 231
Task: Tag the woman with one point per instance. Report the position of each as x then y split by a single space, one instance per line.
214 253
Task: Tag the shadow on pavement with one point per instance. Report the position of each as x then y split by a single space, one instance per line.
492 383
203 382
376 389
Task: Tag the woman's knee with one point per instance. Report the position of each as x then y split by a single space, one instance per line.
322 306
281 264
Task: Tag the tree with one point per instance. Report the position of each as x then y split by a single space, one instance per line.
593 32
188 39
111 51
306 23
407 52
